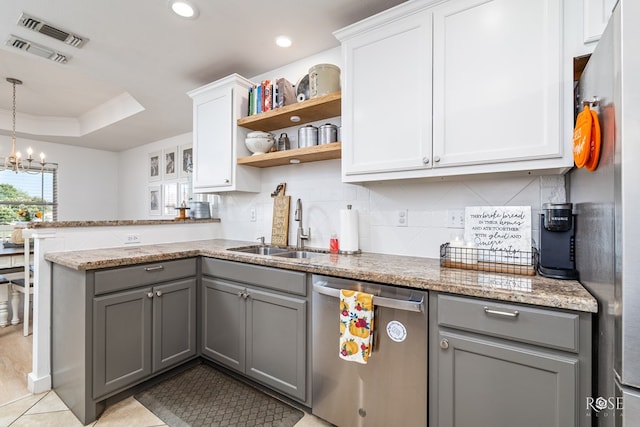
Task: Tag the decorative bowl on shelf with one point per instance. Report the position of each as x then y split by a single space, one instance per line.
259 142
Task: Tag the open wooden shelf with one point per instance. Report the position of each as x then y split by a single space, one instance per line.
303 155
310 110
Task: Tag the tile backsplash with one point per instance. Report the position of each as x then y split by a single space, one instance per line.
426 204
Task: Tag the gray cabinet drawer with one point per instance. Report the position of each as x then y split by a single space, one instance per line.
266 277
548 328
143 274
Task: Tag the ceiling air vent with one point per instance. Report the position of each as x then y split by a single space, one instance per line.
39 26
38 50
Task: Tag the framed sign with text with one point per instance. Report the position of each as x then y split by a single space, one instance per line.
504 232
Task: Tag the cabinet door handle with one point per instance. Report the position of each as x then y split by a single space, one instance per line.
226 181
511 314
425 160
444 343
436 159
241 294
159 293
149 294
154 268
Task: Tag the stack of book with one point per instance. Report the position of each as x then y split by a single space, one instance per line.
269 95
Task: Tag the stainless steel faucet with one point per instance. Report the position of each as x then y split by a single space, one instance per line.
301 236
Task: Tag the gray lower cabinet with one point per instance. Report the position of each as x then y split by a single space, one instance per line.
255 322
496 364
114 328
140 332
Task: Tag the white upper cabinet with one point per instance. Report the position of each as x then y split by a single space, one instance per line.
596 15
386 95
218 141
460 87
497 81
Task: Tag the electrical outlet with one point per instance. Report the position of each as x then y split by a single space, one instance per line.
253 216
455 218
132 238
402 218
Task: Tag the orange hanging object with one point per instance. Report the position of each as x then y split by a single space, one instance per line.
582 137
594 144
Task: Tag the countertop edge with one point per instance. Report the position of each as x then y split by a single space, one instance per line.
570 295
114 223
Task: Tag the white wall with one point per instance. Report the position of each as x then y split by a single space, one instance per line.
323 194
87 178
133 183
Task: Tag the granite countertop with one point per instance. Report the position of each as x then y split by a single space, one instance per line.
412 272
113 223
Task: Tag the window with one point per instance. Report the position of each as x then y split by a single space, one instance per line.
24 195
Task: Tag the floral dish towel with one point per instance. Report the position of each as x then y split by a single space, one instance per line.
356 325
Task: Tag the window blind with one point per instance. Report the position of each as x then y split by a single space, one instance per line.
23 194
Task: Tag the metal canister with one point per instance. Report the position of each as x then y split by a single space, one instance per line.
307 136
327 133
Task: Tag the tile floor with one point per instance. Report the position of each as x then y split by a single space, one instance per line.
19 408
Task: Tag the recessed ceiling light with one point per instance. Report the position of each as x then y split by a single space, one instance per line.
184 8
283 41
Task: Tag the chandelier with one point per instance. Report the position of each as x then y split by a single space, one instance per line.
14 161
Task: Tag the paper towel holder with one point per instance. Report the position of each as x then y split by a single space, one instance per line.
343 252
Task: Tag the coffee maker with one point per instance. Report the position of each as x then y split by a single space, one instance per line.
557 244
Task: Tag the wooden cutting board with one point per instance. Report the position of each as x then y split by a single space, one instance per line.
280 226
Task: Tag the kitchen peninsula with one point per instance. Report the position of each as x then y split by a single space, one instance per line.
548 329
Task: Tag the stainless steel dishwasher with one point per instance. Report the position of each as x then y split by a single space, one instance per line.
391 389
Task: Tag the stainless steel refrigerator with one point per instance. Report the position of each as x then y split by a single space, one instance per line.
607 204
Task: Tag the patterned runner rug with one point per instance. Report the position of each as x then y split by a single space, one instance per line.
204 396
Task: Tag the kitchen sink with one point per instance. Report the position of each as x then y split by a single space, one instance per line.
298 254
260 250
277 251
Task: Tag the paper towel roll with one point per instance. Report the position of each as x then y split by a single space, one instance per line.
349 230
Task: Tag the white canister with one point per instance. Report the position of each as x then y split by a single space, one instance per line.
323 79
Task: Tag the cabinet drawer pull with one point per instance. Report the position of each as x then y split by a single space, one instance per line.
159 293
512 314
154 268
149 294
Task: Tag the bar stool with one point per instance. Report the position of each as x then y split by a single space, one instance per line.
27 291
23 284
